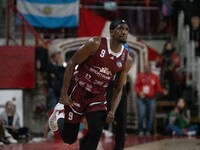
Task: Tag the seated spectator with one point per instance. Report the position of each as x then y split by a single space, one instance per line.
5 137
195 33
179 120
11 121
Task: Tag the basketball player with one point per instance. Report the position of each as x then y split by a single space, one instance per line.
84 88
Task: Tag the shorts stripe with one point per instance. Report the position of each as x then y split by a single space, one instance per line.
76 112
96 103
73 89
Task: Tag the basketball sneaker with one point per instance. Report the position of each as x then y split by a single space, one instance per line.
53 118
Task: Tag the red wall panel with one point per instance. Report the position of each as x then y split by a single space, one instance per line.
17 67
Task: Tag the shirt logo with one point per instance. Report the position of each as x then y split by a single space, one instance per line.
103 70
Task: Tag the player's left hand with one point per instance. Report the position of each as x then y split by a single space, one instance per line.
110 117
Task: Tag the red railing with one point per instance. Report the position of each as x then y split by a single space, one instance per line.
12 11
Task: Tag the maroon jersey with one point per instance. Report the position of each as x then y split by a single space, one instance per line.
95 73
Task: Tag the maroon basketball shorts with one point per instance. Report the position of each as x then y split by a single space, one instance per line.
83 102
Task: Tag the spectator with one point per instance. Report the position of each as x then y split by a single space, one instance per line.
169 61
5 137
41 58
11 121
195 34
55 73
179 120
147 86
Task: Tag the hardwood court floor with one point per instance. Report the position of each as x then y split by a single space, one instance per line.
106 143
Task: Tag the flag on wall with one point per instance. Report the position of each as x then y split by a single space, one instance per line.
50 13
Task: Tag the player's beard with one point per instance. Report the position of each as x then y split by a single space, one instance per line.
122 41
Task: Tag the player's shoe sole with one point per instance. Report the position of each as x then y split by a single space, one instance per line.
52 119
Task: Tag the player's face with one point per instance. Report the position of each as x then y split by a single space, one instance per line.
120 33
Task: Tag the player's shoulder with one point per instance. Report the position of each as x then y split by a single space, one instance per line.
93 44
95 41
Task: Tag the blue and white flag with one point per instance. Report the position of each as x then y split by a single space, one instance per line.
50 13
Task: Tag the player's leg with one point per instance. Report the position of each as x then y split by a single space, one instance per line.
96 122
66 122
68 131
67 118
68 126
